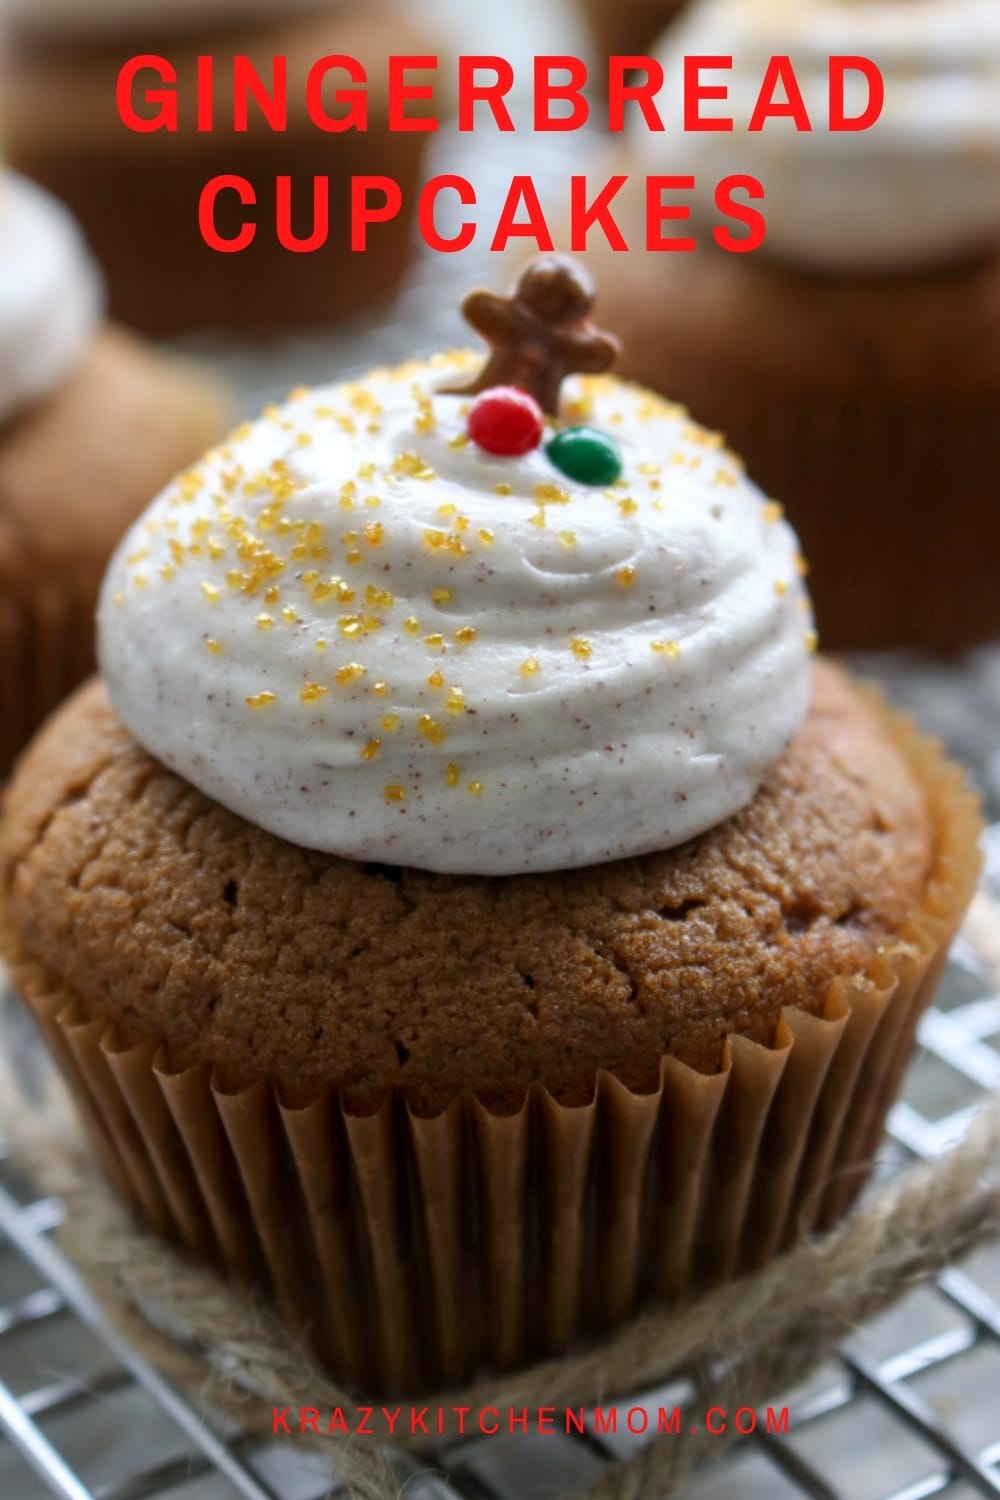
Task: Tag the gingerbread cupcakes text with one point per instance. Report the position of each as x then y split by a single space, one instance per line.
232 210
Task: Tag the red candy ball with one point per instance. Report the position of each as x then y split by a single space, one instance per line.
506 421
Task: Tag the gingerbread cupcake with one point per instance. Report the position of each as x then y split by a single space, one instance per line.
853 359
137 195
90 423
471 894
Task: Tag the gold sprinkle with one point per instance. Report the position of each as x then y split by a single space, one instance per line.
380 688
272 595
568 538
312 692
212 646
289 614
436 679
811 640
475 788
625 577
452 775
538 519
466 635
434 640
353 557
261 700
801 566
441 596
350 672
665 648
371 749
503 488
460 440
531 667
551 494
455 701
628 506
321 644
411 625
394 793
119 598
208 589
486 536
374 533
772 512
447 510
264 622
430 729
780 587
581 647
390 722
411 466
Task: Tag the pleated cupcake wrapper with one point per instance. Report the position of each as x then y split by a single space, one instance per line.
411 1251
46 650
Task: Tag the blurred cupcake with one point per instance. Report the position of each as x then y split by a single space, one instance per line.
628 28
854 359
137 195
91 424
470 895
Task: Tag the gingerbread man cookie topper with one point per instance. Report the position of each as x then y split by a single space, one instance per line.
541 333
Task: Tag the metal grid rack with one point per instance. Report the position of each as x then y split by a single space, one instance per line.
908 1409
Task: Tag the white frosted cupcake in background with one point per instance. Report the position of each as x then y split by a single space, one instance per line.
854 358
91 423
137 194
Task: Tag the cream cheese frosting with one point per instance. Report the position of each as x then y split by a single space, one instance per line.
131 17
920 186
366 635
50 293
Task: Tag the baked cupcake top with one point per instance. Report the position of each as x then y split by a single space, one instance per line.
50 294
916 188
367 633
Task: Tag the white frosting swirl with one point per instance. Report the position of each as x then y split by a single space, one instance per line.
50 293
366 635
133 17
920 186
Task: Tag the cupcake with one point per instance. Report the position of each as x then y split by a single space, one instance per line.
854 358
90 422
463 885
138 195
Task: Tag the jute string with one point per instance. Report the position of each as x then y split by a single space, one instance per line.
739 1344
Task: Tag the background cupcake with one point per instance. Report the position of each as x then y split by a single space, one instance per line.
91 423
855 358
624 28
137 195
502 906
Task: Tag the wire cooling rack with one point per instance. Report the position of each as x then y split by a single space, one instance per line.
909 1408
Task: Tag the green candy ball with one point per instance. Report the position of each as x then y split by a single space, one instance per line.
585 454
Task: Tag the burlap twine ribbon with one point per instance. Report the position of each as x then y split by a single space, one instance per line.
739 1345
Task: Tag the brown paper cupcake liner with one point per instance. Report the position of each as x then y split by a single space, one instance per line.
410 1252
46 650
